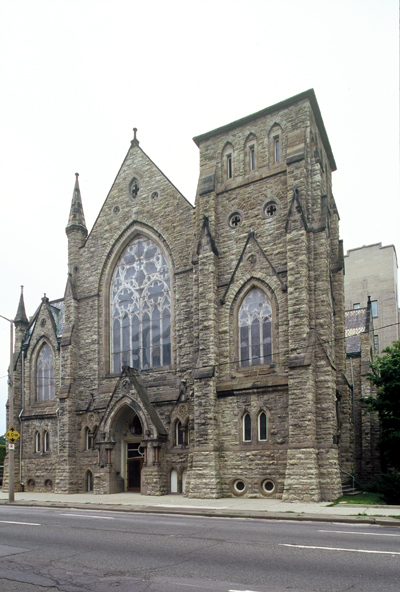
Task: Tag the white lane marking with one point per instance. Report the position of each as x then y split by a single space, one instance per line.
366 533
339 549
88 516
24 523
241 590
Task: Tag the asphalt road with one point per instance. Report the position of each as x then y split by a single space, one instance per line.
47 549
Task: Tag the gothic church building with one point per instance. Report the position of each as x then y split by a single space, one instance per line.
197 350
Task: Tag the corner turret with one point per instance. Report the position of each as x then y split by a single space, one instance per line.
21 320
76 228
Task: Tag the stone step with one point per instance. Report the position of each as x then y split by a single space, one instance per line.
348 490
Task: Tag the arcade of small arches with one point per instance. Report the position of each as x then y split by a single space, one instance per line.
250 151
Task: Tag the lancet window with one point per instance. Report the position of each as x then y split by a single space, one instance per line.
255 329
141 308
45 374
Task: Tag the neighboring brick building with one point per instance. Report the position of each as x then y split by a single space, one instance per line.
371 271
226 318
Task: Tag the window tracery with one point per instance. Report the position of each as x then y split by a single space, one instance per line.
255 329
141 308
45 374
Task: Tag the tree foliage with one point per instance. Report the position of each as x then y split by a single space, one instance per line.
385 375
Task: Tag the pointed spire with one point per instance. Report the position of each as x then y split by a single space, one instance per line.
21 314
76 216
135 141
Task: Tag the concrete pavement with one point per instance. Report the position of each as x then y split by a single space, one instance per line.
222 507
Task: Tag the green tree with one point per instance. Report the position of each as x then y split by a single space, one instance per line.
385 375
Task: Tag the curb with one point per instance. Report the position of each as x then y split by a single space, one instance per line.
247 514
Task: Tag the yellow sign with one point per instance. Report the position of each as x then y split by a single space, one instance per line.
12 435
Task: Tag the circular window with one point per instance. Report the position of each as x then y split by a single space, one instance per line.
43 322
238 487
235 220
270 209
48 484
267 487
134 187
116 210
154 195
31 484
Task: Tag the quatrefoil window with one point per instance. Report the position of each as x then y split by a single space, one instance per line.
270 209
235 220
134 187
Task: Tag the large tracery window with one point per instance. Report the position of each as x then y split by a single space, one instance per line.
45 374
255 333
141 308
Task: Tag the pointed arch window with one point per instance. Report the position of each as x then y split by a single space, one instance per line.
141 308
89 481
227 162
45 374
255 329
247 428
174 481
46 441
37 442
250 153
275 145
262 426
179 434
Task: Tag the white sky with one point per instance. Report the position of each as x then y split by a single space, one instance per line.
77 76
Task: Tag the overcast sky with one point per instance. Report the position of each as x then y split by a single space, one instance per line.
77 76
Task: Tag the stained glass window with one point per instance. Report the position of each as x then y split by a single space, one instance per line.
141 308
45 374
255 332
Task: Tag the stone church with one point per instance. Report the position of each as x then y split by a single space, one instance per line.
197 349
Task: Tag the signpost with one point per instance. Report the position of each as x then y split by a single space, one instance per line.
11 429
12 435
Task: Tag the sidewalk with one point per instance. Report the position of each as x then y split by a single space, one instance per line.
222 507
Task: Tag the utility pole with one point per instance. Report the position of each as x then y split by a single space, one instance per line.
10 413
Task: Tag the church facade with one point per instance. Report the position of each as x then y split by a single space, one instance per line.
197 350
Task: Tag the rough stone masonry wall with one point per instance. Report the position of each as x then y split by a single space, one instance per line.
167 219
300 455
254 461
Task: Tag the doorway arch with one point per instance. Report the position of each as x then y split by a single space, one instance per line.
128 454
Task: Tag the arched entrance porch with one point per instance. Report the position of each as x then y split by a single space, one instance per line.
128 454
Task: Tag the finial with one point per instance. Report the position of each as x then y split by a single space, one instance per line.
22 289
76 175
135 141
